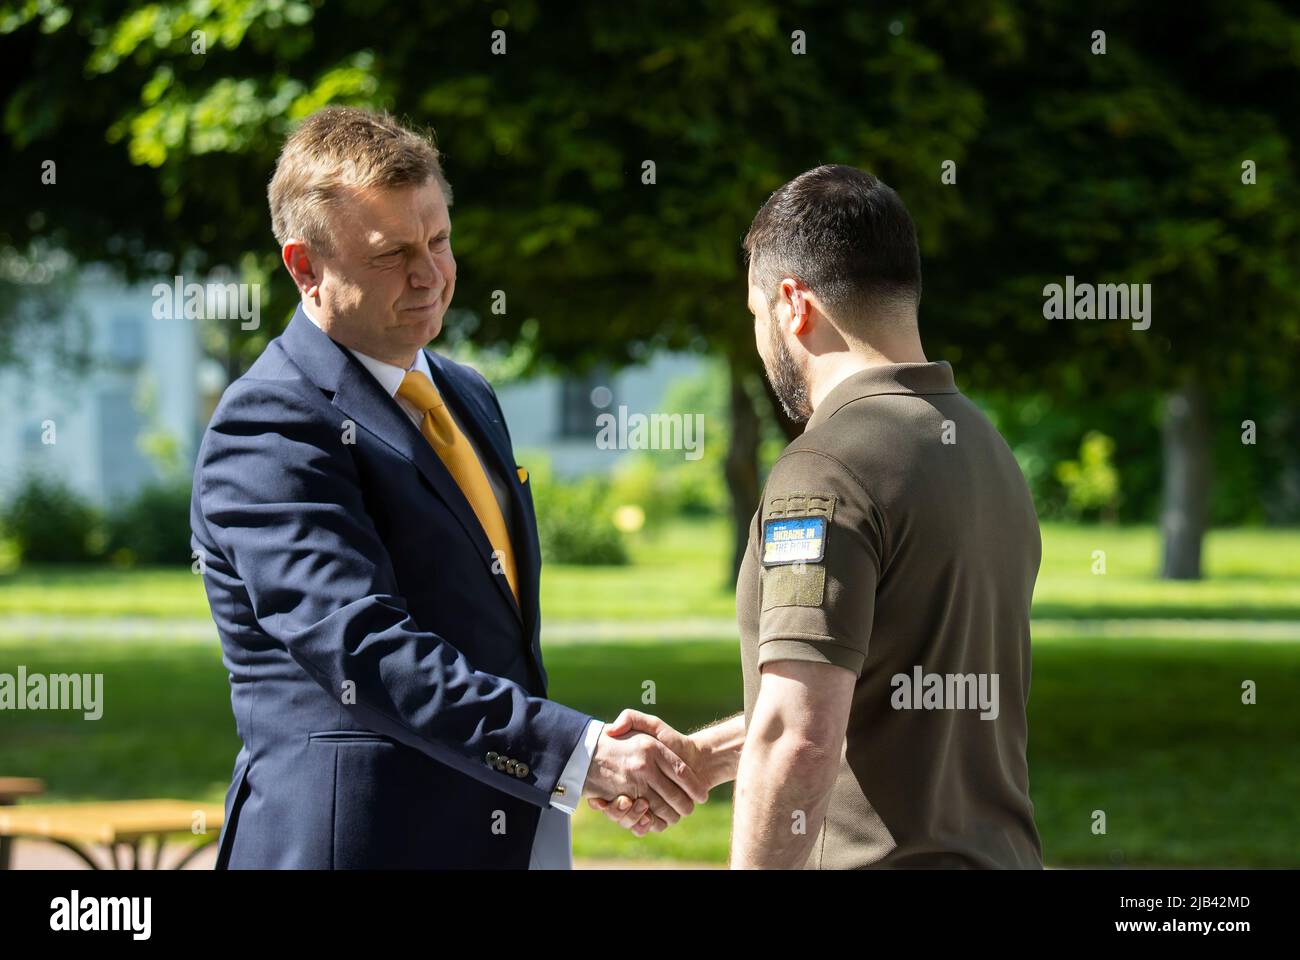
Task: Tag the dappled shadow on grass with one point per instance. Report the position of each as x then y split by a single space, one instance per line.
1128 610
83 574
1152 733
1155 735
166 728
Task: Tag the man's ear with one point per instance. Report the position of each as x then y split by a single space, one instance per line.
793 291
298 261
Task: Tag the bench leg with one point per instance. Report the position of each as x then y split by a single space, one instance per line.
192 854
68 844
5 842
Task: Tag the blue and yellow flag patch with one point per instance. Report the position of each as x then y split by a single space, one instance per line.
794 540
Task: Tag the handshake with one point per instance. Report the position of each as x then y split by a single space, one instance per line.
646 776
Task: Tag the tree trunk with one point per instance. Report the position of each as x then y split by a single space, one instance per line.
742 462
1187 476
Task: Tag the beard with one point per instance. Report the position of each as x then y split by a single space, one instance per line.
787 380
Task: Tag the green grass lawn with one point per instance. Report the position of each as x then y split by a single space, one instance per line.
683 572
1249 574
1151 732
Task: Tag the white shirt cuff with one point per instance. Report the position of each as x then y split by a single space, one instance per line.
574 776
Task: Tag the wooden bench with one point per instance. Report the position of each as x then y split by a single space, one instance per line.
80 826
11 789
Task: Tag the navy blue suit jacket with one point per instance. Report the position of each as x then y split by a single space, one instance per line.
375 658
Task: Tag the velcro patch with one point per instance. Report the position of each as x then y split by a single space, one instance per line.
793 585
794 540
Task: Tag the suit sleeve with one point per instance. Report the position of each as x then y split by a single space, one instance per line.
281 502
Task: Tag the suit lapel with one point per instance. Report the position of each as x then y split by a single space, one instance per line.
481 421
362 399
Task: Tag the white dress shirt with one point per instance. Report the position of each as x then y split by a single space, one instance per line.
553 843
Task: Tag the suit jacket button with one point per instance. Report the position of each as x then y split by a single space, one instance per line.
492 757
521 771
560 791
501 762
510 766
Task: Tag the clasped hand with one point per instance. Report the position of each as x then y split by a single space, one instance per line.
645 775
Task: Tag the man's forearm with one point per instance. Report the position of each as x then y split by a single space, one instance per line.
720 746
782 789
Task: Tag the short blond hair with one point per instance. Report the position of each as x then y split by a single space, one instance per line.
338 149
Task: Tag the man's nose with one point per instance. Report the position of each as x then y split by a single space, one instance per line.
425 272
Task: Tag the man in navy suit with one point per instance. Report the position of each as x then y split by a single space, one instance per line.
371 557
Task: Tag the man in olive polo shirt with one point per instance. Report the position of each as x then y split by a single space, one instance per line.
884 598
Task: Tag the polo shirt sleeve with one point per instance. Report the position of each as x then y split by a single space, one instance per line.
817 600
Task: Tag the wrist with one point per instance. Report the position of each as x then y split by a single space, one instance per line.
717 762
726 743
594 785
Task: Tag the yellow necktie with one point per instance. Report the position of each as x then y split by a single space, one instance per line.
458 456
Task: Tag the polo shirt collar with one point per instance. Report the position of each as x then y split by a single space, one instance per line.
909 378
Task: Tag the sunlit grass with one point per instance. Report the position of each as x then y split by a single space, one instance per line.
1153 732
683 571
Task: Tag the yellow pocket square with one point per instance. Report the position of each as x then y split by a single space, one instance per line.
523 474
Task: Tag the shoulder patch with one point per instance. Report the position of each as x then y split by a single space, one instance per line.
801 505
794 540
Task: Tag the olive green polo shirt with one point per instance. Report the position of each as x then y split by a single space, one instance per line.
896 538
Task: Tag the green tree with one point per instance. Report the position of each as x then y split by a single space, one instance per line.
1124 166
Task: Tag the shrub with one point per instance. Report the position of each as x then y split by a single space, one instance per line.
1091 482
51 523
575 520
153 527
665 486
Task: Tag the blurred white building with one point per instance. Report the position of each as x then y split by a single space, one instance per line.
89 429
150 379
558 417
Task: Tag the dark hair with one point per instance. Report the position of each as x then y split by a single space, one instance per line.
842 232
